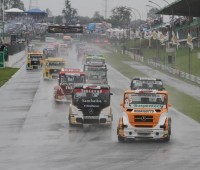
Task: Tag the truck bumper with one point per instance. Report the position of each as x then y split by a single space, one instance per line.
95 120
143 133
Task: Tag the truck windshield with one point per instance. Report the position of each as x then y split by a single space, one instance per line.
55 64
96 60
66 79
145 100
87 98
88 68
35 57
147 84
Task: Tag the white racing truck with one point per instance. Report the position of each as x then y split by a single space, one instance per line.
90 105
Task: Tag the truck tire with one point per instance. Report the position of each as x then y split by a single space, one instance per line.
166 139
121 139
169 124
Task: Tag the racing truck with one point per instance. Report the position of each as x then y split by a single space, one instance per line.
144 116
52 67
146 83
63 49
95 59
49 52
34 60
68 77
90 105
95 73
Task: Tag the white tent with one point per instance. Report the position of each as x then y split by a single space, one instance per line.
14 10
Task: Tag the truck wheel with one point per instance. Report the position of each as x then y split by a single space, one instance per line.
166 139
169 126
70 124
121 139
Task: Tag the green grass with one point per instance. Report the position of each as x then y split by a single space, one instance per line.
182 55
6 74
115 59
182 102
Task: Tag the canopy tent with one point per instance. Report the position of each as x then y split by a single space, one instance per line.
182 8
35 11
14 10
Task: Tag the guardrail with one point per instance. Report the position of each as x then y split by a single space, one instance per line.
173 71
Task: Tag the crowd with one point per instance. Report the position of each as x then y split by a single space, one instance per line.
21 24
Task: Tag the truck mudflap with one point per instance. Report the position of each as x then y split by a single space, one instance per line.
62 98
50 77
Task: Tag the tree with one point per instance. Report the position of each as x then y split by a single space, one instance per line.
58 20
14 4
152 13
70 14
49 13
97 17
121 16
84 20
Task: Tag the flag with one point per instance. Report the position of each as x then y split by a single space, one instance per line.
189 41
154 34
166 37
161 37
147 35
174 38
177 37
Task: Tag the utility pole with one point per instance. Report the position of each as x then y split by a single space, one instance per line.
106 8
2 18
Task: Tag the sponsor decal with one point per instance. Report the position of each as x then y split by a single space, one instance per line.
91 101
92 91
145 105
91 117
144 131
91 106
144 111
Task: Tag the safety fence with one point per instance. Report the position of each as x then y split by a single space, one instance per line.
174 71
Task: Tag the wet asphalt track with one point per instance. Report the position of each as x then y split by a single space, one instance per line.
35 135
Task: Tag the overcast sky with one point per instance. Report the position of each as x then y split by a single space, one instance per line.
88 7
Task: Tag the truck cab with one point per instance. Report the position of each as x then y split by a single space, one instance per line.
68 78
144 116
90 105
96 73
52 67
34 60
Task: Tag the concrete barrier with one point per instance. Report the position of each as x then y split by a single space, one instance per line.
14 59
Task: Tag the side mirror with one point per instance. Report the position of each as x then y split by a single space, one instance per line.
169 105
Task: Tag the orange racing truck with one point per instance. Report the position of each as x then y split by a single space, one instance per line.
144 116
68 77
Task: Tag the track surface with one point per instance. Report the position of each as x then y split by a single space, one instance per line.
35 133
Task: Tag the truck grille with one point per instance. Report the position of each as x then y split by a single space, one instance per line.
142 118
35 63
91 121
54 71
144 126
